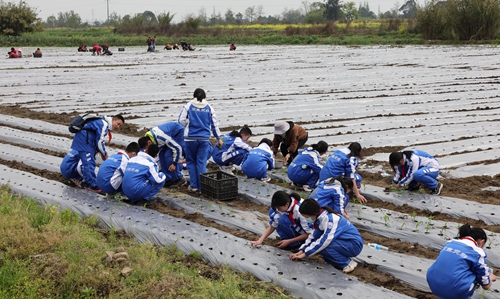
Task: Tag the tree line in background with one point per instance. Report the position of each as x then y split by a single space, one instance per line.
444 20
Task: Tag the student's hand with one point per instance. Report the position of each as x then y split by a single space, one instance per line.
221 143
103 157
297 256
172 167
283 243
361 198
346 216
287 157
255 243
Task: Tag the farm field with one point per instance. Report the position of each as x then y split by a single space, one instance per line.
443 100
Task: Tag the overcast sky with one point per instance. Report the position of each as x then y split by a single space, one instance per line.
90 10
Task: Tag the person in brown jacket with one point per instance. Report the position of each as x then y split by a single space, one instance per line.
288 138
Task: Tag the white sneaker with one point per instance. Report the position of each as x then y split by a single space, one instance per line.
192 189
268 179
349 268
227 169
307 188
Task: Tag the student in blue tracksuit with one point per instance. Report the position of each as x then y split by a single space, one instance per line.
71 168
90 141
258 161
142 180
305 168
412 167
110 174
169 137
334 237
461 266
286 219
199 118
334 193
233 149
344 162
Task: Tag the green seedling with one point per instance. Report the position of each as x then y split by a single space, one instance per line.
414 216
430 218
427 227
441 232
386 220
403 225
359 214
417 225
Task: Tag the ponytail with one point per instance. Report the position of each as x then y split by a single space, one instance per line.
199 94
320 147
474 232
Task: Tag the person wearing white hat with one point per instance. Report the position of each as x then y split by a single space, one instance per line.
288 138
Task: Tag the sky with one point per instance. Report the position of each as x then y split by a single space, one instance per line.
90 10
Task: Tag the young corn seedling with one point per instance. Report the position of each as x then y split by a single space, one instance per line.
403 225
386 220
414 216
427 227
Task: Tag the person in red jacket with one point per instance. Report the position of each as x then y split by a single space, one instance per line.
232 47
96 49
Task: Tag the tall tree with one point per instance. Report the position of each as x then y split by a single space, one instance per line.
332 10
409 9
229 17
18 19
51 21
350 11
250 13
239 18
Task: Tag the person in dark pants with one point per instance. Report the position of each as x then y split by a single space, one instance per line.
288 138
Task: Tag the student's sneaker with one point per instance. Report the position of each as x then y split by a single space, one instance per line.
438 189
93 189
191 189
77 182
177 183
307 188
349 268
268 179
145 202
227 169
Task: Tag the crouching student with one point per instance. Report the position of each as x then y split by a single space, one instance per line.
412 167
110 174
305 168
334 237
258 161
71 168
335 194
169 137
290 225
142 180
233 149
461 266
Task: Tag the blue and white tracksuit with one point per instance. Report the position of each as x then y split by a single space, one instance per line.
339 164
110 174
335 238
199 119
305 168
258 161
141 179
71 166
232 151
420 168
170 139
459 268
289 224
330 193
90 140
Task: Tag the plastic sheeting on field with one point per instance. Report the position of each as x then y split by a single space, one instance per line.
303 279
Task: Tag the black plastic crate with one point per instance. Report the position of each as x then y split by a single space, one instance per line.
219 185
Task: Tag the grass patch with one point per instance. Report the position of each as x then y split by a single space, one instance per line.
46 252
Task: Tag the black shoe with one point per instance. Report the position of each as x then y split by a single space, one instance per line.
414 188
438 189
145 202
177 183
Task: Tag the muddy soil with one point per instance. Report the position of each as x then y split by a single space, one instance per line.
465 188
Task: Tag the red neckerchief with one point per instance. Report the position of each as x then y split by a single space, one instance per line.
290 213
314 224
110 136
403 174
470 239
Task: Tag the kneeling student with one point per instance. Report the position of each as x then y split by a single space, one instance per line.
110 175
258 161
286 219
142 180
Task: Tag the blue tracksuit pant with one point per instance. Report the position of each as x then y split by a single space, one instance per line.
426 176
197 153
339 251
285 230
165 155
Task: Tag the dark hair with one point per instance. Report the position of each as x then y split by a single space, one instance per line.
474 232
355 148
153 150
120 117
280 198
199 94
346 184
320 147
143 141
246 130
266 140
235 133
395 157
133 147
311 207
